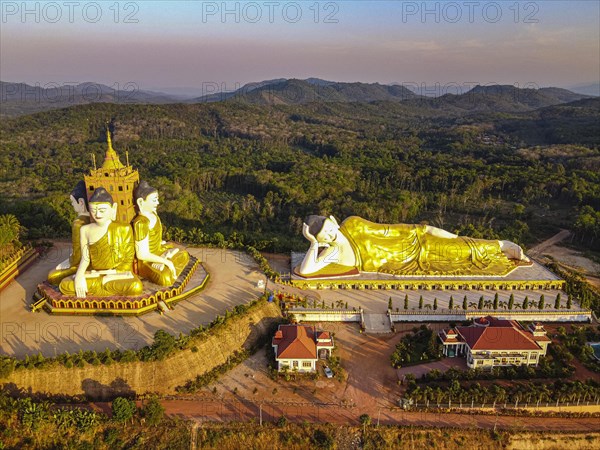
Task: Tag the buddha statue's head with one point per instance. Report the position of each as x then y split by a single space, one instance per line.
102 207
146 198
78 198
324 229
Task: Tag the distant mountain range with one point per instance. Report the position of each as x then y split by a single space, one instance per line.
19 98
586 88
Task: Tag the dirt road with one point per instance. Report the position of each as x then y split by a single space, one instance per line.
241 410
542 246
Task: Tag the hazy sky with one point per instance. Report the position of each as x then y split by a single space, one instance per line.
166 44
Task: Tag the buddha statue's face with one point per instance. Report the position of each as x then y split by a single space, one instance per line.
102 213
328 233
149 204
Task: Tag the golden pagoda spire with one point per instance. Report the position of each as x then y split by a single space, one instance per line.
111 160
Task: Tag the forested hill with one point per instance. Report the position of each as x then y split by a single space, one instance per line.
256 171
295 92
498 99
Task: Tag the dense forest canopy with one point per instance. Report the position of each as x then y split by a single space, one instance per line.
258 170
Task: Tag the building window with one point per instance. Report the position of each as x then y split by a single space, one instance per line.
105 174
122 203
110 188
120 188
306 364
91 188
295 364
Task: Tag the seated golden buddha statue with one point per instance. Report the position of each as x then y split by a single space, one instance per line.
69 266
157 261
107 247
358 245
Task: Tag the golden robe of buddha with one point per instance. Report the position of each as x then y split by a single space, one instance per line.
157 261
410 250
162 276
55 276
401 249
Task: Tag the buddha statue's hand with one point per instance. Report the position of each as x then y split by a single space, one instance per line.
80 285
168 263
170 253
311 238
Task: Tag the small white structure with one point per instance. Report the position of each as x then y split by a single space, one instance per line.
491 342
297 347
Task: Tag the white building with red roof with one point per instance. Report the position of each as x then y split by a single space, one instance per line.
297 347
491 342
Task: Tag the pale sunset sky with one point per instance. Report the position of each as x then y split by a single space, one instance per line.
159 44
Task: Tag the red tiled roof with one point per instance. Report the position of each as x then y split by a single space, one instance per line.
501 322
500 337
297 342
323 335
325 343
449 336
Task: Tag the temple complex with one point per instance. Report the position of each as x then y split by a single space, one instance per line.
113 268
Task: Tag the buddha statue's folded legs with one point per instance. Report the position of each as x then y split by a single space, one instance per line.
161 274
57 275
105 285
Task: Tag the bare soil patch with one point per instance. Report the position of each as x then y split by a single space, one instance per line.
573 259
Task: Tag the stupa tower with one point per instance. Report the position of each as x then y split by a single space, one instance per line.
118 179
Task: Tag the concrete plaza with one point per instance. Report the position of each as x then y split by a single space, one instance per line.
233 280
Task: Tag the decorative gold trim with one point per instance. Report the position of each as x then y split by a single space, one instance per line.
119 306
430 284
20 261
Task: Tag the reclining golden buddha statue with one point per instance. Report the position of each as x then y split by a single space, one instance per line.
358 245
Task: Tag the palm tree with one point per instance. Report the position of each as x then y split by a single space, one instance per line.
498 393
427 394
439 395
10 228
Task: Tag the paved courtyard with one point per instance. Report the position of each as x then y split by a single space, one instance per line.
234 276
